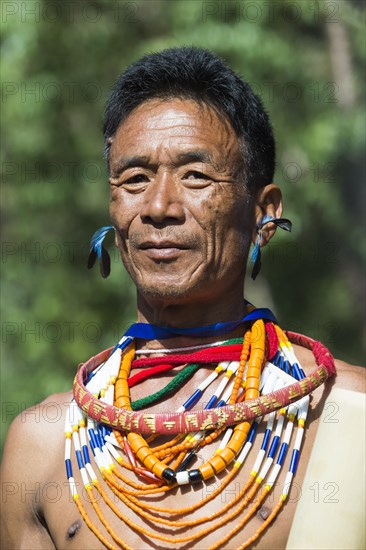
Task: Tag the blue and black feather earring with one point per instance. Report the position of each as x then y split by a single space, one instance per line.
97 250
283 223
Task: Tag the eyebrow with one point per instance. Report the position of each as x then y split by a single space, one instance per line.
124 163
200 155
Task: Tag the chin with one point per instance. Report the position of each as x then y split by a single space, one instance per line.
169 290
164 292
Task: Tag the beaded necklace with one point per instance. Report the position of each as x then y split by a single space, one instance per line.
265 371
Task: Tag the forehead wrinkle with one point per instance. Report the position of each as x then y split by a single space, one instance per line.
179 125
125 162
195 156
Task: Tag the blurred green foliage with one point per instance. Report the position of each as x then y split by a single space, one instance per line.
59 61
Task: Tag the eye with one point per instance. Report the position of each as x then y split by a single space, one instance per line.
196 180
137 178
195 175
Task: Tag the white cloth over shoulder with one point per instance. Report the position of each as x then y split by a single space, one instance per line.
331 511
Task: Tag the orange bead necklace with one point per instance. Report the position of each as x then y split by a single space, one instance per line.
163 468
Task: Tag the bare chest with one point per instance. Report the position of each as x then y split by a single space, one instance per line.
188 525
196 516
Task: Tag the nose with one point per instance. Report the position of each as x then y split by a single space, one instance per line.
162 202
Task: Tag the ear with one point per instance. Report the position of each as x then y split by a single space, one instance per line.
268 202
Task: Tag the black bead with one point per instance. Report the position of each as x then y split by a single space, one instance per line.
186 462
169 475
195 476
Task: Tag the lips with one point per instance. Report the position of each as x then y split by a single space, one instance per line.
161 245
162 250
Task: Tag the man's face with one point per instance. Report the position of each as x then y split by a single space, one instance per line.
183 218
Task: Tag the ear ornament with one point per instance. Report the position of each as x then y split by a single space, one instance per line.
283 223
97 250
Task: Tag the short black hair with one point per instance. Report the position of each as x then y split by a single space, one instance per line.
194 73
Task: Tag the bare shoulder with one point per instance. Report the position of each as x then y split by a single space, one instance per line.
33 441
35 429
37 424
349 377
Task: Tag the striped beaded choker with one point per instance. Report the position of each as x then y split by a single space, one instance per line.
174 350
249 381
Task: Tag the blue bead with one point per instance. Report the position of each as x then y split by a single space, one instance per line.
281 362
124 344
90 376
294 461
282 455
68 468
287 366
101 434
79 459
273 447
99 439
253 431
265 442
86 454
297 372
211 403
93 440
192 400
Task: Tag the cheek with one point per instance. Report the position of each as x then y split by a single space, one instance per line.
228 219
233 230
120 212
114 208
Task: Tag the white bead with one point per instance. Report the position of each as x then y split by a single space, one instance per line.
288 432
228 392
112 450
226 438
259 460
244 452
271 419
72 486
84 476
182 478
76 441
270 382
67 448
264 376
287 484
82 434
304 407
266 467
90 471
279 425
274 473
300 433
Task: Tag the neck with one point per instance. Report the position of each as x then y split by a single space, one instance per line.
185 313
188 315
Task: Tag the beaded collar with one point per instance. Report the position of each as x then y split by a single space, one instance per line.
250 381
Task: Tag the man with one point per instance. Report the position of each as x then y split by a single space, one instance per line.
191 159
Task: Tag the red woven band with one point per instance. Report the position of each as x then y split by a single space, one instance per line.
175 423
